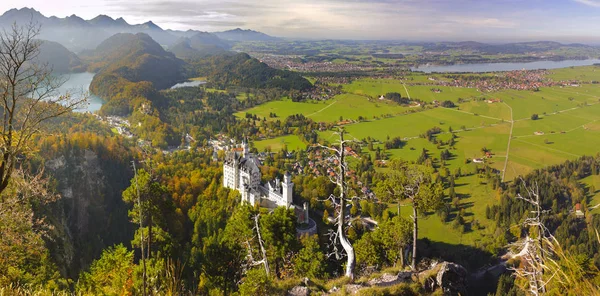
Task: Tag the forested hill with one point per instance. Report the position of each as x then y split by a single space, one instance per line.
199 45
59 58
243 70
134 58
245 35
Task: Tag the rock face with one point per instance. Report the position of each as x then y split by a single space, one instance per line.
91 214
298 291
452 278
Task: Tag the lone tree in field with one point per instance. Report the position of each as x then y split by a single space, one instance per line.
413 183
28 95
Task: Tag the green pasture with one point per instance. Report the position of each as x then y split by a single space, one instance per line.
586 73
346 106
481 107
377 87
414 124
292 142
526 103
594 199
474 199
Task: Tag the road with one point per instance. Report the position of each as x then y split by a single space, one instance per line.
512 124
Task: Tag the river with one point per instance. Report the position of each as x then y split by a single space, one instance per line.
494 67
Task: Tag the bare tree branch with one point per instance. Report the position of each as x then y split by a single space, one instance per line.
28 95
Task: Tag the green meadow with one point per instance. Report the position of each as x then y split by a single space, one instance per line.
375 88
569 127
292 142
414 124
346 106
474 199
569 120
586 73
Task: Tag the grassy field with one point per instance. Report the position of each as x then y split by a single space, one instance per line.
569 120
346 106
595 196
377 87
291 141
587 73
412 125
474 199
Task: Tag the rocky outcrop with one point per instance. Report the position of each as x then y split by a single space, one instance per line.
298 291
91 215
448 277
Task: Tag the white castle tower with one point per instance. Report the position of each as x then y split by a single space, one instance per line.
288 189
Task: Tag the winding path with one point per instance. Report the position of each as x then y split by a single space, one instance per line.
309 115
512 124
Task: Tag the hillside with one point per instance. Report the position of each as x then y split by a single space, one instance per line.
59 58
184 50
245 35
242 70
507 48
198 45
134 58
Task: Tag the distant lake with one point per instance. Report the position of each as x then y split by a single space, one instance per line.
78 85
495 67
189 84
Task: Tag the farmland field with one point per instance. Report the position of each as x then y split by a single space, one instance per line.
569 120
292 142
568 126
346 106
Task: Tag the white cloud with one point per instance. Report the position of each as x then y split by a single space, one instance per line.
594 3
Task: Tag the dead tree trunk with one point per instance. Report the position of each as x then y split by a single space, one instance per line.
413 264
341 219
262 248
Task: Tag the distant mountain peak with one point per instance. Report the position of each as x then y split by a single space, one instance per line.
103 17
25 11
121 21
239 34
151 25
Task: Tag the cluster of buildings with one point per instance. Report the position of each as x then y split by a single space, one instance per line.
120 124
241 172
295 63
517 80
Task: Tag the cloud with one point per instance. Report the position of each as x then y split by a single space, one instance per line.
594 3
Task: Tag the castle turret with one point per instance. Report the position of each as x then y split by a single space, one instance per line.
288 189
245 147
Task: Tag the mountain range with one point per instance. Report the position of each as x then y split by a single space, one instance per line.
78 34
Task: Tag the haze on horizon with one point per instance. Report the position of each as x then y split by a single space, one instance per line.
416 20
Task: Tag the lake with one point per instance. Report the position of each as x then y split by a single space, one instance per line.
494 67
191 83
78 85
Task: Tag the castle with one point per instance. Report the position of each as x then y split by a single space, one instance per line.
241 171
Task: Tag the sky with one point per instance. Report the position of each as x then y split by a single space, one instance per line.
433 20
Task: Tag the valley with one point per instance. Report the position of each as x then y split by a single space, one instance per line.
238 163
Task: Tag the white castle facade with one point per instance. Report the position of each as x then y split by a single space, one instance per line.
241 171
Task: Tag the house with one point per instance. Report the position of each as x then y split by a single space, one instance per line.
491 101
578 212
